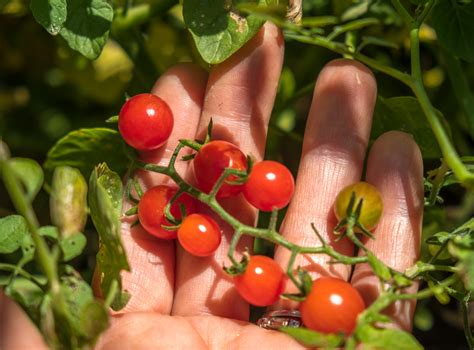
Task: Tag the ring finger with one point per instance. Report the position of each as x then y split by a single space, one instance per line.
334 147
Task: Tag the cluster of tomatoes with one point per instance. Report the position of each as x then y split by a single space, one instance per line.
145 123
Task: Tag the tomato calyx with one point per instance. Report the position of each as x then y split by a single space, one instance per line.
351 220
303 282
176 223
238 268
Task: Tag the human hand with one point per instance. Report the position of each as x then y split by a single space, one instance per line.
182 301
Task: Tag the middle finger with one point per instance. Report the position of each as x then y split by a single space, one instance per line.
239 99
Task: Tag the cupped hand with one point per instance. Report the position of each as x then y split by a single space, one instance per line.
182 301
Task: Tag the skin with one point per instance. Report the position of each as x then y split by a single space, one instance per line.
180 301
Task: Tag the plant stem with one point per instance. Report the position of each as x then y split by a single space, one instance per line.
341 49
43 255
465 318
402 11
449 152
437 182
24 208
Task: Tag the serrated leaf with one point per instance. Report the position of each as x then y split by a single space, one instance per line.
68 200
381 339
314 339
87 26
454 27
72 246
85 148
13 230
105 201
29 173
51 14
405 114
379 268
218 28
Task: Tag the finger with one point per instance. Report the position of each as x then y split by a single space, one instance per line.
334 146
17 332
152 260
239 98
395 167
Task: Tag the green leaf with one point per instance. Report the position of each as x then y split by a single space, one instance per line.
51 14
29 173
28 295
105 201
454 27
72 246
51 232
379 268
218 28
85 148
381 339
68 200
87 26
439 238
82 305
355 11
13 230
28 249
314 339
94 320
405 114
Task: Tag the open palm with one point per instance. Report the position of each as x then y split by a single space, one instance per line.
181 301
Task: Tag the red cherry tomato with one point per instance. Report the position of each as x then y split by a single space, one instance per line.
270 185
151 209
262 282
199 235
332 306
145 122
210 162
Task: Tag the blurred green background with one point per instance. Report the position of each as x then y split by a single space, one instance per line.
47 90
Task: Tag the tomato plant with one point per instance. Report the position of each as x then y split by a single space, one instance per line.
151 210
332 306
56 91
145 122
199 235
262 282
211 161
270 185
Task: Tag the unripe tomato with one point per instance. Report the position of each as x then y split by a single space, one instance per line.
372 206
434 248
262 282
270 185
332 306
151 210
210 162
199 235
145 122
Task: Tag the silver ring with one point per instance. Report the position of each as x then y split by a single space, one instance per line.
280 318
